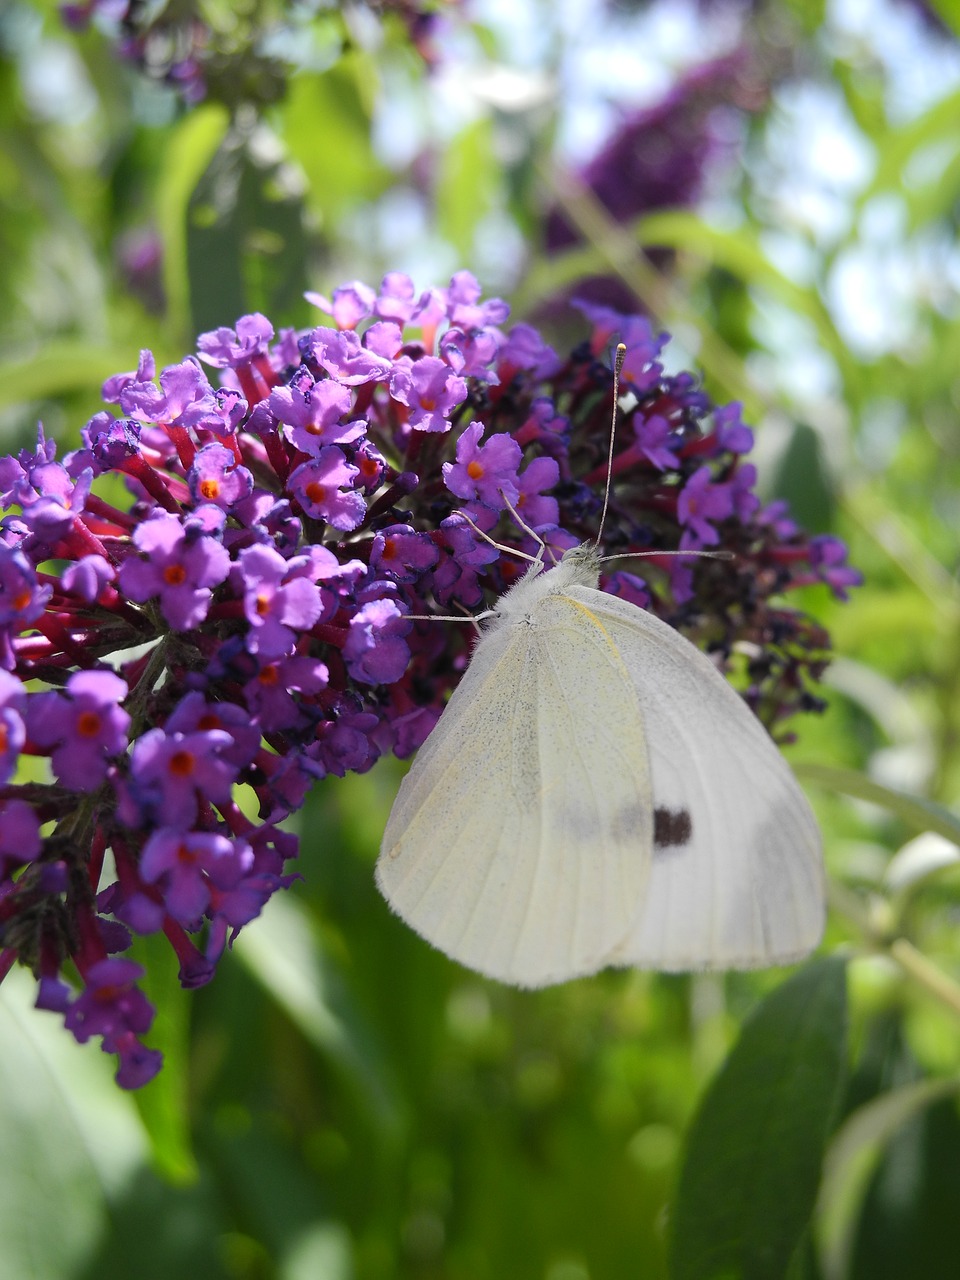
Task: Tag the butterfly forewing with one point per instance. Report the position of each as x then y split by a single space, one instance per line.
508 847
736 878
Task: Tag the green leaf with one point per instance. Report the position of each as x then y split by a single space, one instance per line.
803 480
939 122
246 244
72 1142
191 150
915 811
917 1233
163 1103
327 126
61 367
851 1160
283 953
752 1165
740 253
466 182
948 11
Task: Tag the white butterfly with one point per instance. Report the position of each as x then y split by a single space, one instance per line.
595 793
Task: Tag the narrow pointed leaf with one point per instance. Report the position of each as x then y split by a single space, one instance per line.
752 1167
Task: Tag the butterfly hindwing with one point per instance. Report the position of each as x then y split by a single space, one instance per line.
736 878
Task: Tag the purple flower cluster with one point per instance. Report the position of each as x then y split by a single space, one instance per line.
243 625
666 155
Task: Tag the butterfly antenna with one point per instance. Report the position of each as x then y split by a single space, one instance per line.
617 366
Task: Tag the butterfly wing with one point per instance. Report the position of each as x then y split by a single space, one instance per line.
737 878
520 841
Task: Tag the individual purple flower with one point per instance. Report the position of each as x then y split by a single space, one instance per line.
376 651
486 472
700 502
19 832
431 391
271 693
145 372
171 773
136 908
137 1064
205 520
775 516
22 598
469 549
110 1002
85 725
226 348
349 304
277 601
656 441
464 308
42 476
53 516
344 744
458 576
641 368
324 488
745 502
403 554
13 703
681 580
89 577
384 338
629 587
532 504
183 397
314 417
341 355
184 864
607 322
397 299
733 435
545 427
13 481
113 443
180 569
526 350
194 713
371 465
472 355
216 478
828 556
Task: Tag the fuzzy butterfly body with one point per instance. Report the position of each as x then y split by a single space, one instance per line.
596 794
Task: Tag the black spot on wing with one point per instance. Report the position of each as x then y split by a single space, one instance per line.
672 828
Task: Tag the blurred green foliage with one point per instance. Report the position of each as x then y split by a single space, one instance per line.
342 1101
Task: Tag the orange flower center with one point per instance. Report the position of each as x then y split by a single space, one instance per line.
182 764
88 724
